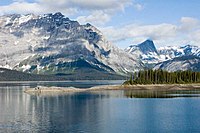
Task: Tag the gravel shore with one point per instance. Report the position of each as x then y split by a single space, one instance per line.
113 87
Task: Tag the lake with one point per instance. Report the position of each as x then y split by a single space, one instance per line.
97 112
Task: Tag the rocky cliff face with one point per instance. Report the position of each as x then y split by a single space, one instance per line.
52 43
145 51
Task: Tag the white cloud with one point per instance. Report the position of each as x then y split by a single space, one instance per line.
23 7
148 31
41 6
18 0
187 31
20 7
97 12
138 6
188 24
96 18
86 10
195 36
100 4
153 31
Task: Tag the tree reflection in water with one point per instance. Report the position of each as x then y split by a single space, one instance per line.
161 94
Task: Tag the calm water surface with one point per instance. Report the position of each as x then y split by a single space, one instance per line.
98 112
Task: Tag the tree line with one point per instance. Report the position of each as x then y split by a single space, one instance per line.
163 77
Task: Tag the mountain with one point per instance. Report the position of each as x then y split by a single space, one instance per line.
170 58
179 58
146 52
171 52
54 44
182 63
146 47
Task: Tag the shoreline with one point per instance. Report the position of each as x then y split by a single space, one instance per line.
49 81
156 87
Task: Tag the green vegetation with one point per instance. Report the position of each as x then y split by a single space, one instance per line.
163 77
79 74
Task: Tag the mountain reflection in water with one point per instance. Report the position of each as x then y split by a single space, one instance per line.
112 111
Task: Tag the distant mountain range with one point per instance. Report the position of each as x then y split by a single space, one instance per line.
53 44
167 58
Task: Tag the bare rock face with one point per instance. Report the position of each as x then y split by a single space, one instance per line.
52 43
145 51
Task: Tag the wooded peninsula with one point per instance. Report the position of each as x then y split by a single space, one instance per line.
163 77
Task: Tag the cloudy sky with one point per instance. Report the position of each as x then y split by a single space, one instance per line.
125 22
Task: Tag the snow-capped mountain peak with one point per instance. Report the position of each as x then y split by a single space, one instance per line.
145 47
146 51
52 43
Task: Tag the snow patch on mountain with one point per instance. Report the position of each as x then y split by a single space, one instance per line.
145 51
148 54
180 63
52 42
171 52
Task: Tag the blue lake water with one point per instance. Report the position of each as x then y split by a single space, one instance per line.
98 112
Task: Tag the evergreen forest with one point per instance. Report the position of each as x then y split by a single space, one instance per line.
163 77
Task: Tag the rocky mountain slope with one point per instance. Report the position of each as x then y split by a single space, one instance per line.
182 63
13 75
179 58
52 44
168 58
146 52
175 51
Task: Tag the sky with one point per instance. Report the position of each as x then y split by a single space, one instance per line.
125 22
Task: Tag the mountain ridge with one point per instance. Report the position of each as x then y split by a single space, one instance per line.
39 44
160 58
54 44
182 63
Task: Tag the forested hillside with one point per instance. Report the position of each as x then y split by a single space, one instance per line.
81 74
